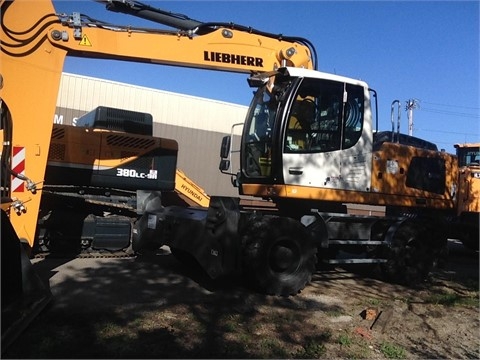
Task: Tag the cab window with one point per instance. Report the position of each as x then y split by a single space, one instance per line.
320 120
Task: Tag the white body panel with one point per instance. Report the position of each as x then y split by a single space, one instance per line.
348 169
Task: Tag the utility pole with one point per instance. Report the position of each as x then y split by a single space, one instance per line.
411 105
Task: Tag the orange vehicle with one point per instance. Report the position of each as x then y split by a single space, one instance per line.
466 224
109 163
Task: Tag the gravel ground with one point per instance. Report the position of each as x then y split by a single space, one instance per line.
154 307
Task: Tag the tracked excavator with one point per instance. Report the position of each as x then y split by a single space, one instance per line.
101 175
309 145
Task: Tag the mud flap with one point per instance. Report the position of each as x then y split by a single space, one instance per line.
24 295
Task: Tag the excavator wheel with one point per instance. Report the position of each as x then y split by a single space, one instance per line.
470 238
279 257
410 256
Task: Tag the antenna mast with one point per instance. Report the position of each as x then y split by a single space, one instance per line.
411 105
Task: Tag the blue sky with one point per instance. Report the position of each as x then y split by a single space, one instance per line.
422 50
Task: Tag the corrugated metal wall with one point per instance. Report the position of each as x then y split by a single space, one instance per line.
197 124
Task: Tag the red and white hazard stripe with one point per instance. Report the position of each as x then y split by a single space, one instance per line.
18 165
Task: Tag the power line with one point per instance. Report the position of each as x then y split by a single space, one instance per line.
452 113
455 136
446 132
448 105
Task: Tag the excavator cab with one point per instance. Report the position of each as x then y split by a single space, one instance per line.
316 126
468 154
323 148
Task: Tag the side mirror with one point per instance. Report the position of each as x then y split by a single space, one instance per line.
224 165
225 148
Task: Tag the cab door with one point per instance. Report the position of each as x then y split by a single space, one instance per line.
327 139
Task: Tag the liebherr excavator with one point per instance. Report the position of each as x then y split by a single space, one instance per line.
309 145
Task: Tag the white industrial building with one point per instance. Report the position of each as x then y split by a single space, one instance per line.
197 124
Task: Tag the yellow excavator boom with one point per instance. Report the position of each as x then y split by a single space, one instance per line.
189 191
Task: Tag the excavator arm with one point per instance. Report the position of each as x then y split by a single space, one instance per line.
215 46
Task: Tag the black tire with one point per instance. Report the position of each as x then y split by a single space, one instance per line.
182 256
470 239
411 256
279 257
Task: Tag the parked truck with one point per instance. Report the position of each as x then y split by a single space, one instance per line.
467 218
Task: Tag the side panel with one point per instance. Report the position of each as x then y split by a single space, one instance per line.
343 170
413 172
88 157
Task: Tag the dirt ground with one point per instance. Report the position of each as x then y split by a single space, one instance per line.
153 307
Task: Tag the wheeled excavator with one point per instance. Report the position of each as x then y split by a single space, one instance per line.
310 144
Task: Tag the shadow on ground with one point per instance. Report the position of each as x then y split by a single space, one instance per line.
153 306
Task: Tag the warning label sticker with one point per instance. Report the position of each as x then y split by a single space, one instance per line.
85 41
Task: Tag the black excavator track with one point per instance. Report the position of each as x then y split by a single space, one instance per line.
79 224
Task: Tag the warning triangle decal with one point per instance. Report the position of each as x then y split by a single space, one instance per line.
85 41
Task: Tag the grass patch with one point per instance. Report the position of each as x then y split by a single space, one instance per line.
452 299
374 302
358 352
353 347
345 340
272 348
334 313
314 347
392 351
232 323
108 330
311 350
